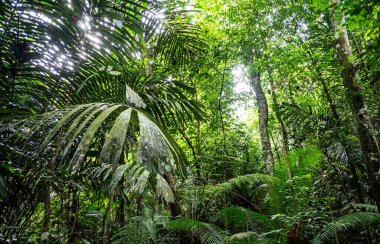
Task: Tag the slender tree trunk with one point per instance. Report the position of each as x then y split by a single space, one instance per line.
120 211
47 211
263 121
174 206
346 147
368 142
73 236
195 152
328 96
199 153
276 149
106 218
247 154
354 173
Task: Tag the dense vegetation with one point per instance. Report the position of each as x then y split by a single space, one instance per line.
210 121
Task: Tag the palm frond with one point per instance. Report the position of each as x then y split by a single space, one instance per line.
86 139
344 223
157 152
178 41
163 189
113 145
136 179
50 50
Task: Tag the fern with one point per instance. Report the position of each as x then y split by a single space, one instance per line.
141 229
206 232
345 223
250 237
221 188
240 217
301 163
243 237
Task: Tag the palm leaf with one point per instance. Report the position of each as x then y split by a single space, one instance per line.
87 137
163 189
157 152
113 145
345 223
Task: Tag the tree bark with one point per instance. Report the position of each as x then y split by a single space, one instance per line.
199 153
368 142
106 218
174 206
73 236
346 147
263 121
47 211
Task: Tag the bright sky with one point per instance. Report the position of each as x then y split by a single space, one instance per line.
241 86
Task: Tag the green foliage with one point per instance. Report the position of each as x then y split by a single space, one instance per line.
205 232
106 107
345 223
142 229
242 237
240 218
294 183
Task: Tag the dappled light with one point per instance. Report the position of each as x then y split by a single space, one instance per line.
203 121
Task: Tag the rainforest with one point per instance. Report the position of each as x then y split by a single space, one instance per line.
189 121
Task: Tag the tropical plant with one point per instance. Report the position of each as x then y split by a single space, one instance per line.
95 40
345 223
200 122
205 232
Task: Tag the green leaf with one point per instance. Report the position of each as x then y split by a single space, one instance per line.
113 145
345 223
85 142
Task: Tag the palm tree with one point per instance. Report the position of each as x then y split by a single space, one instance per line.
89 86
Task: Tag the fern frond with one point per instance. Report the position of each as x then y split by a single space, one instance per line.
236 216
227 186
243 237
206 232
345 223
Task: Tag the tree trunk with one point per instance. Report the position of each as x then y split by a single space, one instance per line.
73 236
346 147
106 218
263 121
199 153
47 211
120 211
368 142
174 206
